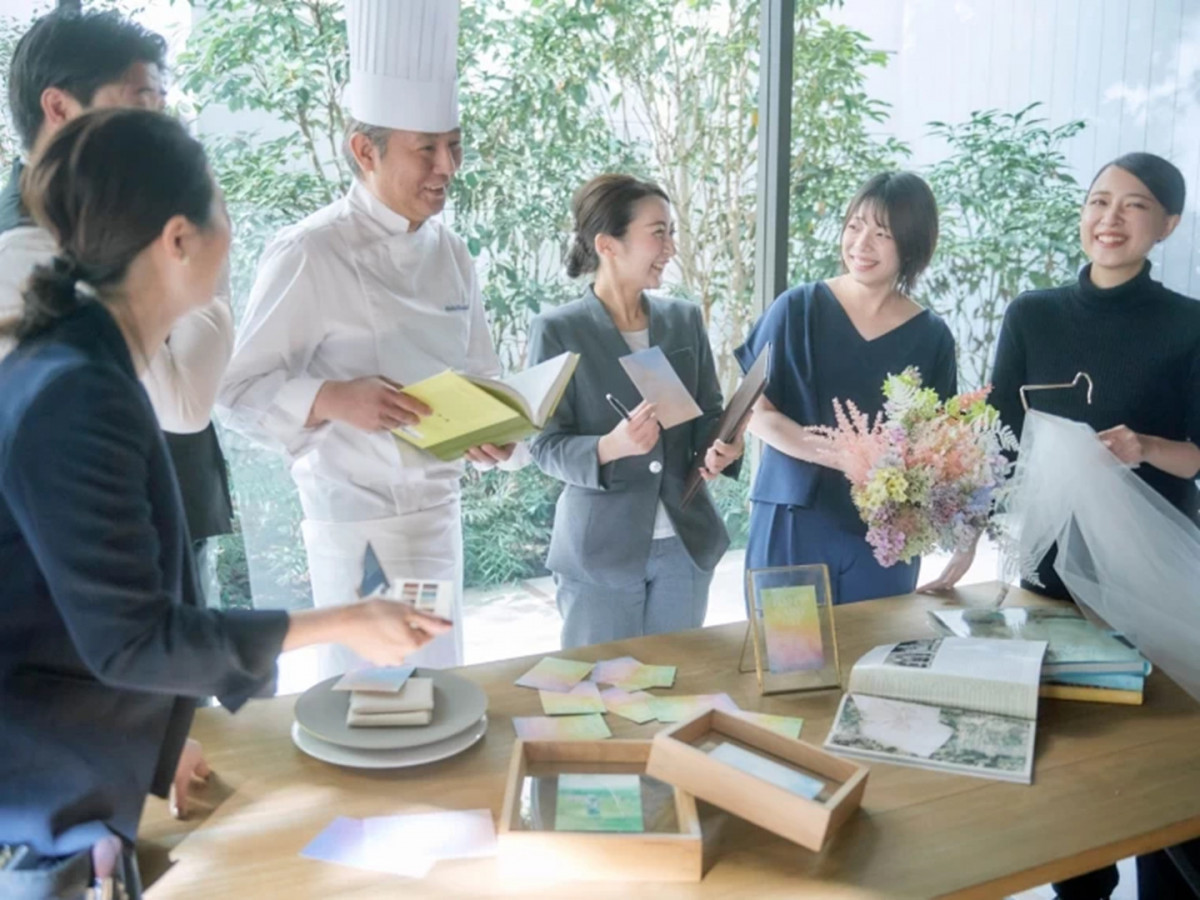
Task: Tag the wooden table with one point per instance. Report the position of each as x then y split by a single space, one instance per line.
1109 781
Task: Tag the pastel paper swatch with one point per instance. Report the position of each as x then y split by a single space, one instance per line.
561 728
676 709
583 698
645 676
614 671
636 707
552 674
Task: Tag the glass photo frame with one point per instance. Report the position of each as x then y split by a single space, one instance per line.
792 629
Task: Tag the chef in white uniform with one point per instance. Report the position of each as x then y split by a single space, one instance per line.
368 294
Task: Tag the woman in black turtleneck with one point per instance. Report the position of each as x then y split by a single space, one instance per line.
1140 343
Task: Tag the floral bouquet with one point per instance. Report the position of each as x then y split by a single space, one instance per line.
926 474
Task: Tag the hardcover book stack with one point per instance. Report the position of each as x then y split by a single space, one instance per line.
1083 661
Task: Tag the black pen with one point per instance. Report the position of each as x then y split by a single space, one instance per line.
618 406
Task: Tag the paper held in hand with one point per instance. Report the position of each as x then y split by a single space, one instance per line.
736 413
658 382
469 410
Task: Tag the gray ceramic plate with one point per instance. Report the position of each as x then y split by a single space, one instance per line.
387 759
457 705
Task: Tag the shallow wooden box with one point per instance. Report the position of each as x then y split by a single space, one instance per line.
680 756
671 849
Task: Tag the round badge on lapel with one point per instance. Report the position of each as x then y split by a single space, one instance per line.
655 467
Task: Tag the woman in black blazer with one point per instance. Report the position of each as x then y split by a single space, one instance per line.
104 646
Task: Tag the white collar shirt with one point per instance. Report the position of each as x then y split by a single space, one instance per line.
350 292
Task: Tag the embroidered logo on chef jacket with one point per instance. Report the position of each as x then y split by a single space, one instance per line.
457 307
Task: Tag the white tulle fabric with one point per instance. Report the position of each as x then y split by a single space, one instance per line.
1124 552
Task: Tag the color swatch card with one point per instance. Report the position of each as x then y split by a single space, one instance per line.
614 671
583 698
553 674
788 726
599 803
382 679
687 706
636 707
561 728
768 770
792 628
433 597
644 677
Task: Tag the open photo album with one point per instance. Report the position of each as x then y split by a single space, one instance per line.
965 705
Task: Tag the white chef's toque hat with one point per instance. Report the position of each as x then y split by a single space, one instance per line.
403 63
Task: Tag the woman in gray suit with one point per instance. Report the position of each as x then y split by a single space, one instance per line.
627 559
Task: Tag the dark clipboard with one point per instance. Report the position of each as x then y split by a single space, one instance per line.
738 410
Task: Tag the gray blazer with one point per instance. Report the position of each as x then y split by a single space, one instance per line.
604 521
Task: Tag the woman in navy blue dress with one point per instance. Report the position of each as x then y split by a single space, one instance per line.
839 339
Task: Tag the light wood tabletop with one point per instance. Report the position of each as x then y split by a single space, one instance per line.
1109 781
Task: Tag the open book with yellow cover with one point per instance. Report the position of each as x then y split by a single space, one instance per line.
469 410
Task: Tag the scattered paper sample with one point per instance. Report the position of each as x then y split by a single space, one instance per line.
636 707
561 728
552 674
614 671
583 698
645 676
676 709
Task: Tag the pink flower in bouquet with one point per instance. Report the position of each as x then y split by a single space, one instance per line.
925 473
860 444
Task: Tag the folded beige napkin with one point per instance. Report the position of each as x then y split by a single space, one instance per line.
411 705
388 720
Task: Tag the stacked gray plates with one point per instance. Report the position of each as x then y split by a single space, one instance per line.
459 721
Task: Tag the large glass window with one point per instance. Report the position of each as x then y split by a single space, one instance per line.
552 93
1007 108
